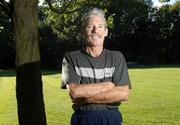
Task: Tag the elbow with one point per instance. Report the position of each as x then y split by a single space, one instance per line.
73 94
124 96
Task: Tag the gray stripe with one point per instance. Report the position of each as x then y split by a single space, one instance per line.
65 69
95 73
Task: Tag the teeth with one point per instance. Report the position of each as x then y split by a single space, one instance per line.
94 36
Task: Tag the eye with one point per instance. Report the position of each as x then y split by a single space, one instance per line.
101 26
89 26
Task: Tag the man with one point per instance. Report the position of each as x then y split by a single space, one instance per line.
97 78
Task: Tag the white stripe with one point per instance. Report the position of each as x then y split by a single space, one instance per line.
95 73
65 69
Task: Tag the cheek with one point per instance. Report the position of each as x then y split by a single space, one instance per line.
86 33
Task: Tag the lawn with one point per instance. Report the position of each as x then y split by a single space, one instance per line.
154 99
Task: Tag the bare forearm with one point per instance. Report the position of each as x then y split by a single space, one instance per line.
116 94
89 90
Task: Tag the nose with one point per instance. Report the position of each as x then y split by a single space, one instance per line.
94 30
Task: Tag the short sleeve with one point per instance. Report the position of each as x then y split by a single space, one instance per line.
121 76
69 74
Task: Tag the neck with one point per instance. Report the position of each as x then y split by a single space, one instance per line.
94 52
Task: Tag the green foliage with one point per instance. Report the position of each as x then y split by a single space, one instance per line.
110 21
135 28
163 1
167 22
143 33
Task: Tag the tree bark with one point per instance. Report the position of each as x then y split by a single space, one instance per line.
29 95
29 92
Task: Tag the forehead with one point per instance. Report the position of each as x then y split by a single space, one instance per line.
94 19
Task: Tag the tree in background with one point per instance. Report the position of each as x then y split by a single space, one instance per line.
7 44
167 22
163 1
29 93
62 23
144 33
130 30
134 29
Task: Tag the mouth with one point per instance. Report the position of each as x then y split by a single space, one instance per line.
95 36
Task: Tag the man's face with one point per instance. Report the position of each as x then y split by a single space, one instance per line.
94 31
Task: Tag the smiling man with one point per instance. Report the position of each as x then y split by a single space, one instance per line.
97 78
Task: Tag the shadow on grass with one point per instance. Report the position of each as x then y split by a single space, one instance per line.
7 73
152 66
50 72
12 73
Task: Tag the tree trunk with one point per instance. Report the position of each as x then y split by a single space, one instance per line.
29 92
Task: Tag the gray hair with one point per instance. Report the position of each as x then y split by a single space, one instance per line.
93 12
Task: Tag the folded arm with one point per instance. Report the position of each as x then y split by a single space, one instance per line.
88 90
105 92
116 94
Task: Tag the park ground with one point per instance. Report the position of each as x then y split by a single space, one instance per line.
154 97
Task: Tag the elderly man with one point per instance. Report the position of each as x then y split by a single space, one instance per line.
97 78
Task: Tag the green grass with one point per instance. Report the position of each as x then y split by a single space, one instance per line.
154 99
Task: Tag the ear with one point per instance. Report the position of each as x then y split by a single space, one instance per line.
106 32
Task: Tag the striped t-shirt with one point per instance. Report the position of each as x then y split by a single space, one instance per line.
81 68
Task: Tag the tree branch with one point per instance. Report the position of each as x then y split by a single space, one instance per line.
63 10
